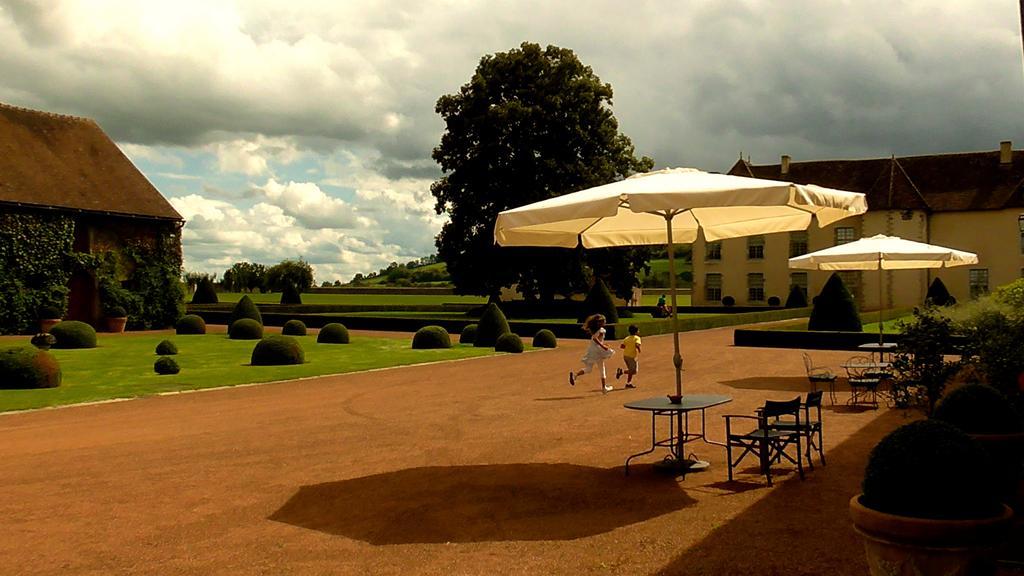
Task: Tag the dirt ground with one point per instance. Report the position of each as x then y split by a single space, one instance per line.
483 466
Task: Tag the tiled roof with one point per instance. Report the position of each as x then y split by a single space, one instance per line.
54 160
938 183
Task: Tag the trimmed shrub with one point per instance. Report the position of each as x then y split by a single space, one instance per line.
74 334
205 292
166 348
938 295
25 367
509 342
774 301
245 329
599 301
835 310
165 365
545 338
49 313
290 294
430 337
468 334
294 328
921 470
116 312
797 297
277 350
492 324
728 301
246 308
43 341
190 324
333 333
978 409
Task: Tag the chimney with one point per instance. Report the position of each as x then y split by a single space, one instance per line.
1005 153
785 164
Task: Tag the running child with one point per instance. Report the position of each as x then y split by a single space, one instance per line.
597 352
631 351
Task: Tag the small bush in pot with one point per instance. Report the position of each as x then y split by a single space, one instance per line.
430 337
245 329
165 365
333 333
294 328
468 334
545 338
74 334
166 348
277 350
49 313
509 342
190 324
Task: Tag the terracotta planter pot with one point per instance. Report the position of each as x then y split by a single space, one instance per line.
1007 451
905 546
116 325
47 324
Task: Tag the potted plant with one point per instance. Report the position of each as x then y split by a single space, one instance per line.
928 505
49 316
985 415
117 317
920 356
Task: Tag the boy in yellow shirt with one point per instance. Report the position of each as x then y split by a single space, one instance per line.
631 350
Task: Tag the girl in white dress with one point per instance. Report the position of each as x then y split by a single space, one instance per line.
597 352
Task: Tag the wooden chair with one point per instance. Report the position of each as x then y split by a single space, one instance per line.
820 375
768 443
810 427
863 381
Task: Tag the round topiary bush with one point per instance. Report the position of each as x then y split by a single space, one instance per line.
166 348
774 301
294 328
116 312
333 333
26 367
978 409
74 334
929 469
277 350
48 313
430 337
509 342
205 292
545 338
190 324
246 308
245 329
290 294
728 301
491 325
468 334
166 365
834 308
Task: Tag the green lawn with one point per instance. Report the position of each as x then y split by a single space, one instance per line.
122 366
889 327
638 317
650 297
357 299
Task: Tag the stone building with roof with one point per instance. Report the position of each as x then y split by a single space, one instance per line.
65 169
969 201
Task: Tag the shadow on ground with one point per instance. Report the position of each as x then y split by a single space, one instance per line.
782 383
486 503
793 530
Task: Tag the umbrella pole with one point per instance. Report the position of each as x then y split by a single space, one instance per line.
880 306
677 360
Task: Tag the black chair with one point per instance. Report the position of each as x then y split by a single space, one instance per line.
767 442
810 427
820 375
862 374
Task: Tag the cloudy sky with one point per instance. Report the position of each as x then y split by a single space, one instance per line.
294 128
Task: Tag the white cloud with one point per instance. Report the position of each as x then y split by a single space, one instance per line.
252 156
307 203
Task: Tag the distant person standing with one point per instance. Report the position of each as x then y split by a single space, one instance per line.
663 310
631 352
597 352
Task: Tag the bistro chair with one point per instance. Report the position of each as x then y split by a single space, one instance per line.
767 442
809 426
863 376
820 375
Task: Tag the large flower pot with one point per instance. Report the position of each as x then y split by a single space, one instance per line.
116 325
47 323
1007 452
906 546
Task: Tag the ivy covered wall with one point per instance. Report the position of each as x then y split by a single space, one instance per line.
134 264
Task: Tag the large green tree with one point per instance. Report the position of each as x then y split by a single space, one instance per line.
532 123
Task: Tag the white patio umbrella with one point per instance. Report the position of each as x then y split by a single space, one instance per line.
671 206
881 252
